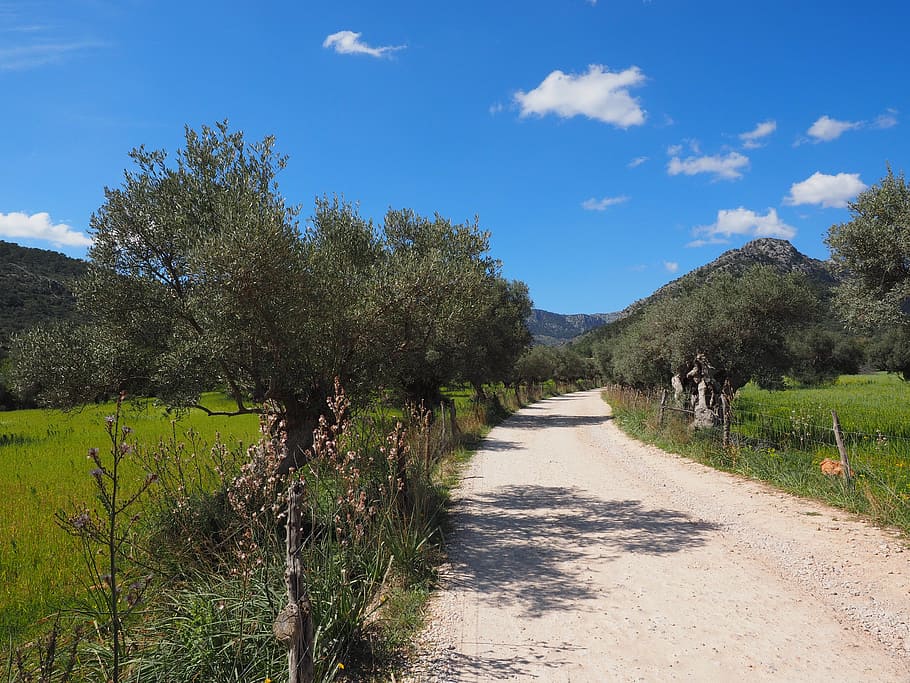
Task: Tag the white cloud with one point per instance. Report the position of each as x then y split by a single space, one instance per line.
752 139
725 167
39 227
829 191
636 162
674 150
826 129
598 94
602 204
349 43
496 108
886 120
671 266
743 222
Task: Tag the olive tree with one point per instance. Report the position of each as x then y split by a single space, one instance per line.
872 253
200 273
447 306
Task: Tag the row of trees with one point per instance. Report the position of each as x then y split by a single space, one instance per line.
760 326
201 275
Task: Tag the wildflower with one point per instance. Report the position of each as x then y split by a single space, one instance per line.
340 666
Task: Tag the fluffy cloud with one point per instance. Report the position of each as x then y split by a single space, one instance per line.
602 204
39 227
743 222
671 266
598 94
826 129
349 43
722 167
829 191
752 139
636 162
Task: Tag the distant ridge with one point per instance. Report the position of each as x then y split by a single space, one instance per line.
767 251
553 329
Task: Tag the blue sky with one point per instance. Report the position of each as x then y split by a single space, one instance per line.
608 146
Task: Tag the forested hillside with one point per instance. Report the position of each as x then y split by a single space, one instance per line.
34 287
762 311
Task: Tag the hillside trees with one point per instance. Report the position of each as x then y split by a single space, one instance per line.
200 276
741 324
872 252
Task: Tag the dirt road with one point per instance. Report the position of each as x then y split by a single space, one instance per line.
579 554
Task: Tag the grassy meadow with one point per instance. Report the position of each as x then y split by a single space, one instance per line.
44 469
782 436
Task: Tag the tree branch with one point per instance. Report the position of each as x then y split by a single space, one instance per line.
242 410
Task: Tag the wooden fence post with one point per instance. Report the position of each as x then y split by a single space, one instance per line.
728 418
294 626
838 437
663 406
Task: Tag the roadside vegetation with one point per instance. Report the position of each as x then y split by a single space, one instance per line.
208 552
781 437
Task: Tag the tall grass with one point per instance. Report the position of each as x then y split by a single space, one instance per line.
44 469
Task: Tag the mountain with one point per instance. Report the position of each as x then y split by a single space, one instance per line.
767 251
35 286
776 253
553 329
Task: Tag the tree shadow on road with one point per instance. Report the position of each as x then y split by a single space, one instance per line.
536 546
559 421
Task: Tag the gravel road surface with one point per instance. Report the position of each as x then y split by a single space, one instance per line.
579 554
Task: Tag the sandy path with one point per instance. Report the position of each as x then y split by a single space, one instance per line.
581 555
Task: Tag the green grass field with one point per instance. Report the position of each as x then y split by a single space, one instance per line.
44 469
873 403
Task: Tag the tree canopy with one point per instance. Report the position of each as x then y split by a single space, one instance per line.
742 324
200 275
872 252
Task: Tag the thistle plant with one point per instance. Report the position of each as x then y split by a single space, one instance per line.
106 531
255 494
356 500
